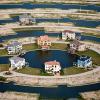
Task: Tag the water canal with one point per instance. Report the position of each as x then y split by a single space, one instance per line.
37 33
82 23
52 93
59 6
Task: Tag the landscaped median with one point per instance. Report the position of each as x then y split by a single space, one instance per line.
59 46
73 70
4 67
30 71
34 46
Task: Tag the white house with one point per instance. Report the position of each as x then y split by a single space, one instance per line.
16 62
26 19
84 62
68 35
77 45
14 47
52 67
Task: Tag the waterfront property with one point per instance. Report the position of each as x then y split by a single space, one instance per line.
44 42
26 19
84 62
16 62
53 67
68 35
77 45
14 47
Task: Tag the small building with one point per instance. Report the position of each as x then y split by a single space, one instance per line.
44 42
52 67
68 35
77 45
16 62
26 19
14 47
84 62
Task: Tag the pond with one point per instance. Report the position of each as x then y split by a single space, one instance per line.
37 58
37 33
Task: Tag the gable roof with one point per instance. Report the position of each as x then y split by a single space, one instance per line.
16 59
84 58
52 63
14 43
76 42
43 38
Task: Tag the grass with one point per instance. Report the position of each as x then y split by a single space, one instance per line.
4 67
31 46
33 71
59 46
30 71
73 70
43 73
3 52
95 56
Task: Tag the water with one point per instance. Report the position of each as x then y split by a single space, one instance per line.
37 58
83 23
38 33
61 92
59 6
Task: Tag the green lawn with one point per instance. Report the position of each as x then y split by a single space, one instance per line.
59 46
3 52
73 70
4 67
30 71
95 56
31 46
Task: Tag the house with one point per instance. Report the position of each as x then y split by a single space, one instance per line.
84 62
77 45
14 47
68 35
16 62
44 42
26 19
52 67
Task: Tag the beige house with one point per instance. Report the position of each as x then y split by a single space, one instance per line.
44 42
77 45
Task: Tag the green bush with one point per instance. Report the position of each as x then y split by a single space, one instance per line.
2 78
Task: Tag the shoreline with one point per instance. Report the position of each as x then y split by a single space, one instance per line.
50 2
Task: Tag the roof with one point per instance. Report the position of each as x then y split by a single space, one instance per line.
14 43
16 59
69 31
52 63
25 16
77 42
83 58
43 38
